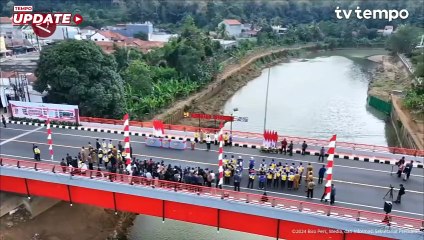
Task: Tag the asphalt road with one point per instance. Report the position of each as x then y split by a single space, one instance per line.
360 185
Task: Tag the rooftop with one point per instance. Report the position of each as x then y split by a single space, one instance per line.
5 20
4 74
144 46
113 35
232 22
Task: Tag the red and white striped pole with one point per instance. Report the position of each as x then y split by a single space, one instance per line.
49 138
127 139
221 151
330 165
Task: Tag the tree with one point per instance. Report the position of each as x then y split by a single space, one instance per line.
138 76
404 40
79 73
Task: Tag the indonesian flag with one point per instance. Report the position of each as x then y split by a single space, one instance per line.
158 128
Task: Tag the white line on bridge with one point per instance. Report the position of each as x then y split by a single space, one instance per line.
235 153
277 193
19 136
318 199
211 164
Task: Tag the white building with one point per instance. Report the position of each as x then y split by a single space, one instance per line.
279 30
161 37
14 86
388 30
232 26
107 36
226 44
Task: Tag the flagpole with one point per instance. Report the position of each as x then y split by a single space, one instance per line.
266 97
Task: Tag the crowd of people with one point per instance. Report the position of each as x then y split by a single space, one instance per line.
270 176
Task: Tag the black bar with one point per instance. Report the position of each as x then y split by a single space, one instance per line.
163 210
35 167
1 161
53 169
217 225
278 229
18 165
114 202
69 195
27 189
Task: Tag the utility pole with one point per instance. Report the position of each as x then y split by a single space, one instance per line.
266 98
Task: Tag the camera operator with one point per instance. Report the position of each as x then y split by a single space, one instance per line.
400 193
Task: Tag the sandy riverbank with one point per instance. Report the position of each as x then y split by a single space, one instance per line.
63 222
389 75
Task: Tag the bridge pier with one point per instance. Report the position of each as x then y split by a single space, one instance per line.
38 205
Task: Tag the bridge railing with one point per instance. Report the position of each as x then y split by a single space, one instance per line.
224 194
259 136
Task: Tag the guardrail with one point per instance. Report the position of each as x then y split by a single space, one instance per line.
248 135
224 194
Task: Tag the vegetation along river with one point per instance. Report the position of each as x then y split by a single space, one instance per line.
322 94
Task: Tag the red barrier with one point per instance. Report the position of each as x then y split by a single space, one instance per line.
282 203
296 140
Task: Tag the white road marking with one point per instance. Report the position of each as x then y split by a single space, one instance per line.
214 164
318 199
19 136
235 153
277 193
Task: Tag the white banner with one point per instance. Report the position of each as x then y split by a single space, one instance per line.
44 111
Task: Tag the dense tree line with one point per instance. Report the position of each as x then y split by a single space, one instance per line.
208 13
405 41
146 83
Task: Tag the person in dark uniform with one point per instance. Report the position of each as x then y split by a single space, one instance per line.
400 194
3 120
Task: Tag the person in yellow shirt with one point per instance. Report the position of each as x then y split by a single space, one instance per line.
277 175
225 160
291 180
283 179
300 169
272 165
287 167
227 176
269 177
226 139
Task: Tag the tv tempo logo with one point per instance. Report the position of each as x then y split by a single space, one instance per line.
43 24
22 8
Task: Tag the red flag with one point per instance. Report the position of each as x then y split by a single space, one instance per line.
266 135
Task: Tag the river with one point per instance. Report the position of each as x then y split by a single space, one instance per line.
316 96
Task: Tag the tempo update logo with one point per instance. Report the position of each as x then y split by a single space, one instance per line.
43 24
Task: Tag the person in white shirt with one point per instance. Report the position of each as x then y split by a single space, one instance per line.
208 142
216 138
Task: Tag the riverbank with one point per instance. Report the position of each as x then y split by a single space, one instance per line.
234 77
389 76
392 76
63 222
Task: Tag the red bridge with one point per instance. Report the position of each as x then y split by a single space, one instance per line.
269 216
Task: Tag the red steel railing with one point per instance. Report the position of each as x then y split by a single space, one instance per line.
269 201
310 141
